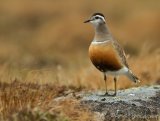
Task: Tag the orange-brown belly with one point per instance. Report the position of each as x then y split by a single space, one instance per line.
104 57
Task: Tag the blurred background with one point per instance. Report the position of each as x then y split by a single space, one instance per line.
46 41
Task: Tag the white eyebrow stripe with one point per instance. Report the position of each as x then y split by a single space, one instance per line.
101 17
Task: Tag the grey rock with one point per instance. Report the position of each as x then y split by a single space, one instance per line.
140 103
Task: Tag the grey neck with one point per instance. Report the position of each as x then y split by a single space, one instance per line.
102 33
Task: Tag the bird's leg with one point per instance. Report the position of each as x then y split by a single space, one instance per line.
105 80
115 86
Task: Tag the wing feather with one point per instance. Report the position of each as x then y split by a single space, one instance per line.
121 53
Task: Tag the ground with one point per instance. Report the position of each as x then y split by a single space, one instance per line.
140 103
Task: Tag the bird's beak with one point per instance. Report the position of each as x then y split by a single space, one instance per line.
87 21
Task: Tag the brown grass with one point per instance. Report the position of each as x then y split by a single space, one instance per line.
44 45
33 101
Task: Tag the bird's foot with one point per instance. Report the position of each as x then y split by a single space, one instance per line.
107 94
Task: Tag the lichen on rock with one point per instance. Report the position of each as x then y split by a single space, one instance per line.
130 104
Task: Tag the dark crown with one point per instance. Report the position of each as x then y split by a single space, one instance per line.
98 14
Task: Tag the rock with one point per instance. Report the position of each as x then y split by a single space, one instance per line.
141 103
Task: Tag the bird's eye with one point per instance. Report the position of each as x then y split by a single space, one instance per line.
96 17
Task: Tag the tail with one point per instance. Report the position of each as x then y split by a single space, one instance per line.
132 77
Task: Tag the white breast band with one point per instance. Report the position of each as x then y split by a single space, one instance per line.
99 42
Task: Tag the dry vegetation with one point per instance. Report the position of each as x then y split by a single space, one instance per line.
43 53
34 102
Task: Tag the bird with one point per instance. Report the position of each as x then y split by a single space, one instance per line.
106 54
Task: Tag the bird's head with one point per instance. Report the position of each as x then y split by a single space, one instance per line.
96 19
